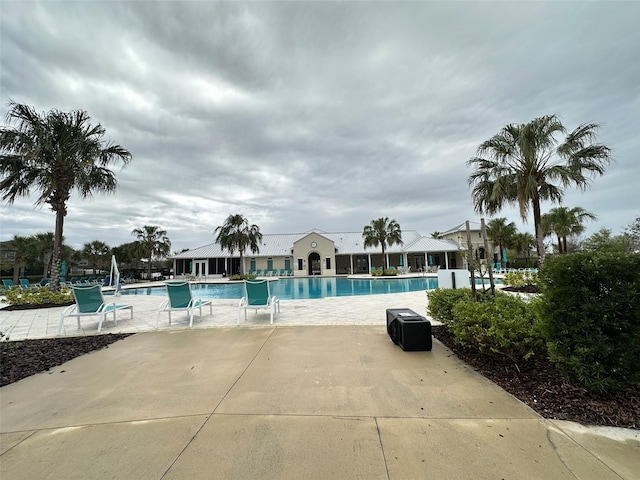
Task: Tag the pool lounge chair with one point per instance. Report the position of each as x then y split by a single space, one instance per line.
25 284
90 302
257 294
7 284
181 299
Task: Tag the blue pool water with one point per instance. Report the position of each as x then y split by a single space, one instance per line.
305 288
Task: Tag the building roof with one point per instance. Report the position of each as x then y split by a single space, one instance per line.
346 243
463 228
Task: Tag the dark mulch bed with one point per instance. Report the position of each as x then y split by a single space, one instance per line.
22 359
31 306
538 384
525 289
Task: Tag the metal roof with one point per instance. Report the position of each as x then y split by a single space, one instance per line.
346 243
462 228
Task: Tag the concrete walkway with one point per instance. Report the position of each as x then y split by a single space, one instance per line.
286 402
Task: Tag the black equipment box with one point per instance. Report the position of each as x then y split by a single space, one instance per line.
412 332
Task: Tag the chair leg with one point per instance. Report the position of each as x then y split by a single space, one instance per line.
102 315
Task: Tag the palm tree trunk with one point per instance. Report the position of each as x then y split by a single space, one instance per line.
564 244
537 222
57 248
384 258
241 269
559 244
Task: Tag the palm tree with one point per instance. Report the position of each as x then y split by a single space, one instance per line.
23 248
382 232
500 232
518 165
153 242
57 153
436 234
565 222
97 252
45 242
237 234
127 254
523 243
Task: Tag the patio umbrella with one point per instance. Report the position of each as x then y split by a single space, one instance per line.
430 260
504 255
63 269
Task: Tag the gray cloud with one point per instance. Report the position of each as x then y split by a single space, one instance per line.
325 115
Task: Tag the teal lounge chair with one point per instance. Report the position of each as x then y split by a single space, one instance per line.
90 302
181 299
257 294
8 284
25 284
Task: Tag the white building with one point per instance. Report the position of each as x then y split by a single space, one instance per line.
325 253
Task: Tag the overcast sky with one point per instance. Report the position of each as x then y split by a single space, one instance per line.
303 115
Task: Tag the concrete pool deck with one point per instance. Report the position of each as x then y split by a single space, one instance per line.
358 310
321 394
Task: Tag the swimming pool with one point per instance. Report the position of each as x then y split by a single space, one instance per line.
305 288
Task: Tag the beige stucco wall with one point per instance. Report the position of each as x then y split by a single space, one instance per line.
323 247
477 243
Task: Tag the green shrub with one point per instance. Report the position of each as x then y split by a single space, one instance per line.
442 301
504 325
590 316
520 279
237 276
38 296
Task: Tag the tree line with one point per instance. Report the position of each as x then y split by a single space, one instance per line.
564 225
35 252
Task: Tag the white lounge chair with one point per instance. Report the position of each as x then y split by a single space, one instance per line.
257 294
90 302
181 299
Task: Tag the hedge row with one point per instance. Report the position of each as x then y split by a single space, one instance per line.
587 319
